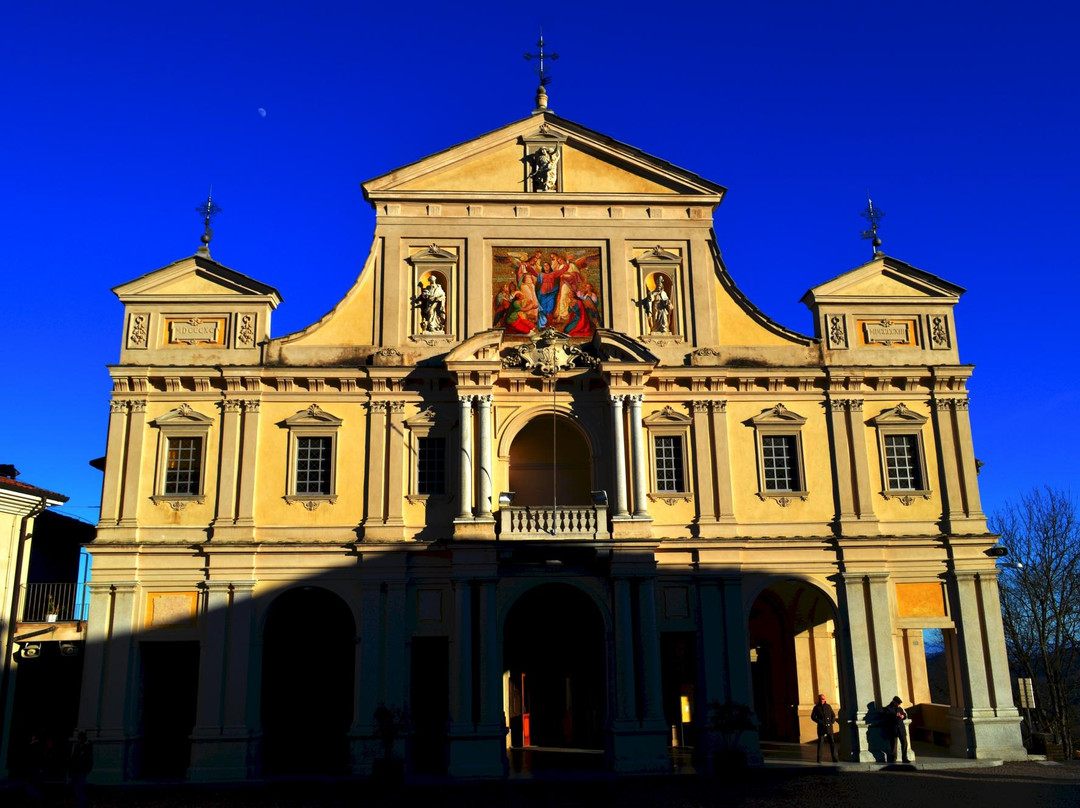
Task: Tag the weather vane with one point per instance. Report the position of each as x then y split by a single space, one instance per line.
874 216
545 79
208 210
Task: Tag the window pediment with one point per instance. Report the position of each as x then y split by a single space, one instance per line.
183 417
313 416
899 415
667 417
778 416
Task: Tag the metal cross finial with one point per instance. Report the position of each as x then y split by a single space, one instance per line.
874 216
208 210
545 79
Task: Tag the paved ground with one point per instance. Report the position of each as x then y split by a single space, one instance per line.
1046 785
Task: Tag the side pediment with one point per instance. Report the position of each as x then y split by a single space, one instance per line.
196 276
507 161
883 280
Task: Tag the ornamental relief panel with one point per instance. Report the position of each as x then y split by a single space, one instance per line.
888 332
192 331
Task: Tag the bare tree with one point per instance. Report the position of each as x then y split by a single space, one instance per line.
1040 601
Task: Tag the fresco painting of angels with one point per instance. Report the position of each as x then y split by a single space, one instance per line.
541 287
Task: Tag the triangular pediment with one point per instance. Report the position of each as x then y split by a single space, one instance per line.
195 276
497 163
183 416
313 416
667 417
899 415
778 416
884 279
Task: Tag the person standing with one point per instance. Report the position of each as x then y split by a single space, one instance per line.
896 729
82 761
824 717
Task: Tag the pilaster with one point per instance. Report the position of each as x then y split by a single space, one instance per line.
129 503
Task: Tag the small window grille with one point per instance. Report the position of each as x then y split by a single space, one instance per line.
779 455
669 463
313 458
183 466
902 462
431 466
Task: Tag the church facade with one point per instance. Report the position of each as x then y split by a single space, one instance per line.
543 480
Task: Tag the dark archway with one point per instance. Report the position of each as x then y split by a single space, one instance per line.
550 456
555 663
792 658
307 683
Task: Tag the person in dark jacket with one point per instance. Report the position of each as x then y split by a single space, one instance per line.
824 717
896 729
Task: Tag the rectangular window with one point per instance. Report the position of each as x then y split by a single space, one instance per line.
183 466
779 456
313 459
431 466
902 463
669 463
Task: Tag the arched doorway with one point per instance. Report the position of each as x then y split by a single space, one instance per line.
549 457
555 669
307 683
792 659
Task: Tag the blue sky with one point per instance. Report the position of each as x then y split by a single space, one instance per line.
961 118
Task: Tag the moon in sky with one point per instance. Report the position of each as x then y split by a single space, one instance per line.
262 112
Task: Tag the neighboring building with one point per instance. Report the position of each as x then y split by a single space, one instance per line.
41 620
545 478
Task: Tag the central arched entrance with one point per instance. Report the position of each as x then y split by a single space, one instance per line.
555 671
309 647
549 462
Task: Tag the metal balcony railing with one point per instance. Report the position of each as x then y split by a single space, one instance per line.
50 603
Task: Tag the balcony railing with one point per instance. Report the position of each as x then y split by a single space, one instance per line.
568 522
50 603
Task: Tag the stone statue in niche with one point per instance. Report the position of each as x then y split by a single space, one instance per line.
545 168
431 301
657 306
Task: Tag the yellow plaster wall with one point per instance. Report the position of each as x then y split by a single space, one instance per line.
150 513
352 320
271 509
920 599
893 509
584 173
499 170
751 509
735 326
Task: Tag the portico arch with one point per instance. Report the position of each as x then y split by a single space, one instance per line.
555 663
792 628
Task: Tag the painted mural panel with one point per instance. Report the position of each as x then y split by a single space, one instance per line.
540 287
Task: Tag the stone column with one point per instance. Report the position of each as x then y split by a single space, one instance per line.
368 691
461 659
726 512
650 655
841 454
860 461
376 474
618 464
395 476
114 468
237 717
484 483
625 680
249 444
129 504
736 641
703 463
465 471
969 483
228 465
637 451
206 759
948 468
871 659
115 713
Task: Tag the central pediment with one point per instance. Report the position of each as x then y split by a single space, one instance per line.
542 155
